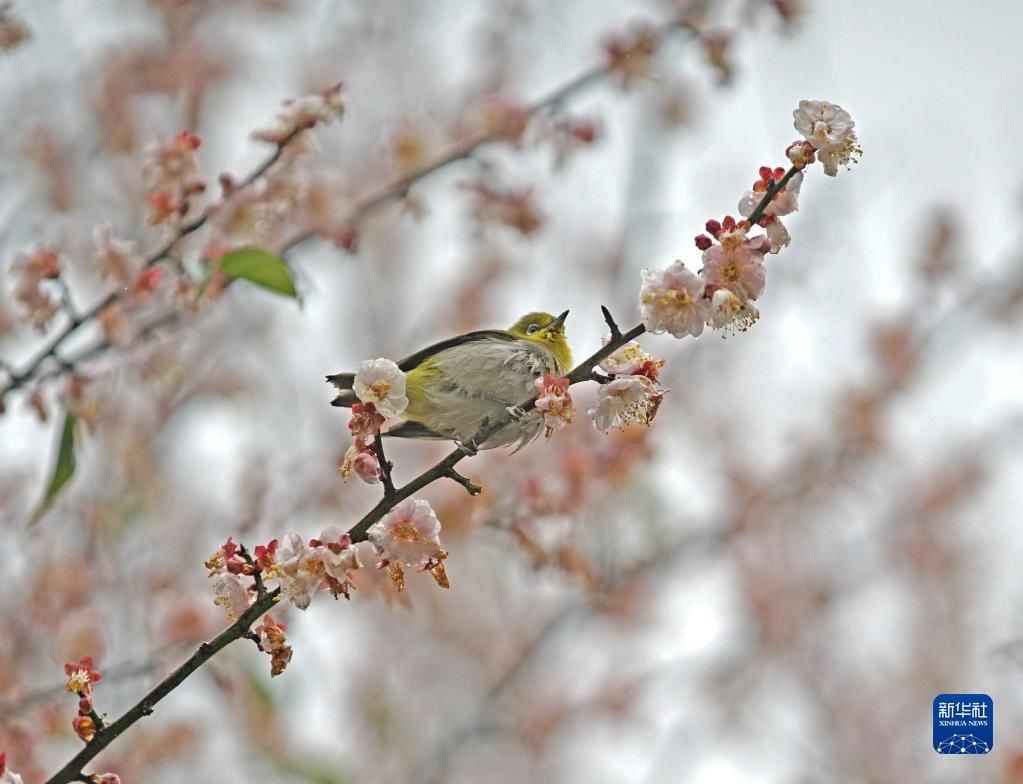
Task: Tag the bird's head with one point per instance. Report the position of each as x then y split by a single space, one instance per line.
547 330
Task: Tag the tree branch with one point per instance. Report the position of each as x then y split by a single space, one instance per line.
75 321
72 771
396 189
385 466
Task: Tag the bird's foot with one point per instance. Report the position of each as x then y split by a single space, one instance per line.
468 448
516 412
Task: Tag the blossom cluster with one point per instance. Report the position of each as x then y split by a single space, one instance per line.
170 177
296 569
554 401
380 385
301 114
29 271
682 302
80 677
631 392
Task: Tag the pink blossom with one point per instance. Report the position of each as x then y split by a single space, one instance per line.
230 594
829 128
801 154
302 113
29 270
777 234
366 421
554 401
170 176
297 571
337 558
409 535
115 259
381 382
361 460
728 311
786 201
631 360
671 300
737 264
624 400
273 641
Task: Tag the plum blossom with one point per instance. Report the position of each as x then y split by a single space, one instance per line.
226 559
381 382
116 260
631 360
105 778
29 270
784 202
361 460
554 401
81 676
409 535
829 128
170 176
626 399
777 233
7 776
300 569
295 571
84 727
737 264
727 310
801 154
302 113
671 300
366 421
230 594
273 641
337 557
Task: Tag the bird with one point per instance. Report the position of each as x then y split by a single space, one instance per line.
456 385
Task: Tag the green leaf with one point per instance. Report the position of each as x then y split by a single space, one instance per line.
62 470
259 267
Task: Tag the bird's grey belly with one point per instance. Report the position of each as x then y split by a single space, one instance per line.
509 384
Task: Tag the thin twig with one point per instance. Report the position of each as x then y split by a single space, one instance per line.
76 321
770 192
611 323
257 576
72 771
470 488
385 466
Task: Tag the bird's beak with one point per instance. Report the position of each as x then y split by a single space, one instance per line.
558 321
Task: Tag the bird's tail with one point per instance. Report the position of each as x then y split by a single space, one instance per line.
344 382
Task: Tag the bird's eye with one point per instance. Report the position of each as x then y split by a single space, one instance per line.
532 328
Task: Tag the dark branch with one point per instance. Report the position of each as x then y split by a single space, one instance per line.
72 771
75 321
771 191
470 488
385 466
611 324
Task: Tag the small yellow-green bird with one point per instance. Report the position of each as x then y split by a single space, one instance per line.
454 385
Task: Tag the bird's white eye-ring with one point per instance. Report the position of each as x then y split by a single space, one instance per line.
532 328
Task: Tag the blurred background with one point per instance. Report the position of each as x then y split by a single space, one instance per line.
818 534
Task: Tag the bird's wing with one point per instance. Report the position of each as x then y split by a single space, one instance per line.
344 381
416 359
